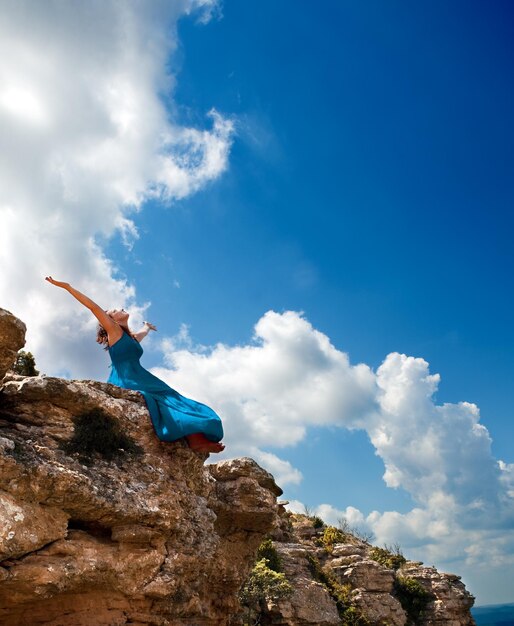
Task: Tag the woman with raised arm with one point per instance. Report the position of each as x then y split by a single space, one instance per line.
173 415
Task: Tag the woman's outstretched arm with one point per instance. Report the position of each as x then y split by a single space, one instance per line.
147 327
114 331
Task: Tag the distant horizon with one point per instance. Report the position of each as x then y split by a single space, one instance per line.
494 614
491 606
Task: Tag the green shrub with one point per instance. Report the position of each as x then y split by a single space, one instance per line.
354 617
263 585
413 597
390 557
25 364
317 522
98 433
341 594
331 536
268 551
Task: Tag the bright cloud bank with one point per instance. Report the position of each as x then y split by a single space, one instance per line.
86 138
291 377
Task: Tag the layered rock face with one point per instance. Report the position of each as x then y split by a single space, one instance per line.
103 524
329 578
145 535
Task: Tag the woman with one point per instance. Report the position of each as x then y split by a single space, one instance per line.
173 415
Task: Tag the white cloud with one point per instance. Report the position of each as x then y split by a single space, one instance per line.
86 139
283 471
291 377
295 506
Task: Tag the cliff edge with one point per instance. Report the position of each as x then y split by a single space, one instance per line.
101 523
339 578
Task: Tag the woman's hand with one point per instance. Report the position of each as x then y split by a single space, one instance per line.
147 327
57 283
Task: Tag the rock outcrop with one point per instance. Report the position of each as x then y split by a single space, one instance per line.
103 524
12 339
146 534
341 579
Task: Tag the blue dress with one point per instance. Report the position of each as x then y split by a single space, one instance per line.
173 415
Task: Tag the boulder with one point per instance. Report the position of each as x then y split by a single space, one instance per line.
12 339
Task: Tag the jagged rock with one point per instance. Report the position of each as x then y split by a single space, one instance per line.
347 572
311 602
380 608
226 471
348 549
152 537
149 537
27 526
367 575
12 339
303 528
452 601
342 563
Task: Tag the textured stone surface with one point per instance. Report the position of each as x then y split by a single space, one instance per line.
12 339
311 602
245 467
348 549
155 538
367 585
451 602
380 608
367 575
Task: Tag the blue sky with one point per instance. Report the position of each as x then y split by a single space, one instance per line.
365 182
370 186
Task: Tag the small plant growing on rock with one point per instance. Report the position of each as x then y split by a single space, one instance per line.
388 556
317 522
413 597
341 594
332 535
263 585
268 552
98 433
25 364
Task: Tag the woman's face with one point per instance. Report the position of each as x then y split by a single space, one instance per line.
118 315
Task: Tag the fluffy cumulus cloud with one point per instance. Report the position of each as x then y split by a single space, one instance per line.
86 139
290 377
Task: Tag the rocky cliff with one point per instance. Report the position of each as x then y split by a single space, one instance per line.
101 523
339 578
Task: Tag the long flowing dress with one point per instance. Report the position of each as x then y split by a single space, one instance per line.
173 415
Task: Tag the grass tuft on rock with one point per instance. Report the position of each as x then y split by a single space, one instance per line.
413 597
317 522
96 433
331 535
341 594
262 586
390 557
268 551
